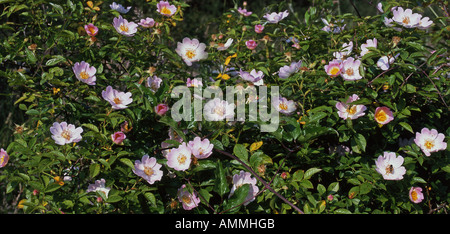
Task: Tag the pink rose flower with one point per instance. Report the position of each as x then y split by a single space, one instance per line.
161 109
430 141
383 115
188 199
416 195
118 137
251 44
91 30
259 28
4 157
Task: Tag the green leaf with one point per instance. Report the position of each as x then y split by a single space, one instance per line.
310 172
55 60
220 185
241 152
30 56
407 127
239 197
91 126
52 187
113 198
127 162
94 170
358 143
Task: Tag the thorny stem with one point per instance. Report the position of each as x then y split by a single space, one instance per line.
266 186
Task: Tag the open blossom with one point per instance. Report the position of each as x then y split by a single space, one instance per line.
118 100
256 77
84 72
179 158
334 68
345 110
99 186
191 50
286 71
91 30
244 12
118 137
390 166
416 195
225 46
124 27
65 134
251 44
161 109
118 7
345 51
350 69
4 158
188 200
259 28
164 8
200 148
276 17
406 18
369 43
284 105
153 83
430 141
217 110
147 22
383 115
148 169
245 178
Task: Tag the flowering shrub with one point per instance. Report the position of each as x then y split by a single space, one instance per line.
125 111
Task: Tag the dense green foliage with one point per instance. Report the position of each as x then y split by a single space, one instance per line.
315 162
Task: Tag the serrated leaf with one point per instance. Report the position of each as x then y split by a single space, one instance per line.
239 197
241 152
220 183
113 198
94 170
127 162
310 172
90 126
407 126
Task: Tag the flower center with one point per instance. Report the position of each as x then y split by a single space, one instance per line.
186 199
219 110
166 11
200 151
334 70
351 110
84 75
389 169
429 144
414 195
123 28
117 101
406 20
92 30
283 106
190 53
148 171
349 71
181 159
381 116
66 134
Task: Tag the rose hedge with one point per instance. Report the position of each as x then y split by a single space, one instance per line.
363 128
